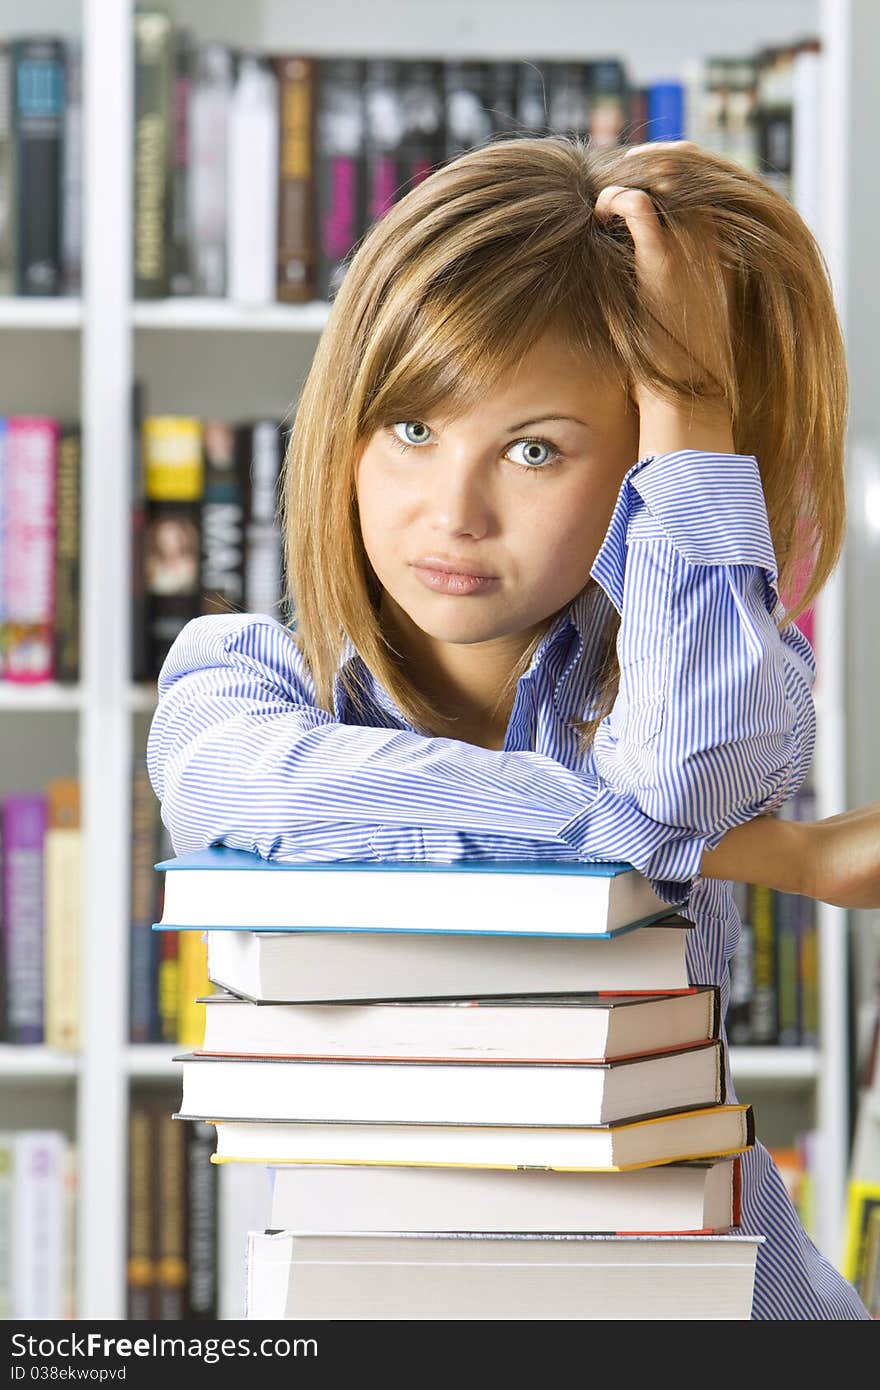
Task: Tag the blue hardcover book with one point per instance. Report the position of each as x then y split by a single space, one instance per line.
223 888
666 112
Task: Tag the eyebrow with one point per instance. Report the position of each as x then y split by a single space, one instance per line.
539 419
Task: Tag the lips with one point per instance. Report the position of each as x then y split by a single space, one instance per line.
463 568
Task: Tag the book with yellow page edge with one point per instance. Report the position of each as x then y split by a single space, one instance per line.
707 1132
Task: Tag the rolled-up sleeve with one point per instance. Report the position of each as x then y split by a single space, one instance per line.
714 721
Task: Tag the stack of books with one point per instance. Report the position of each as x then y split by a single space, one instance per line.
484 1089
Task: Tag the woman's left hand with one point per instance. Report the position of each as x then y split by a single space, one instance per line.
685 341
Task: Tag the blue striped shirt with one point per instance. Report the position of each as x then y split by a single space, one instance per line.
713 724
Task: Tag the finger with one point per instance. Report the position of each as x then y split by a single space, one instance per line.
636 208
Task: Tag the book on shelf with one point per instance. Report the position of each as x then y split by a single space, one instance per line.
860 1255
29 501
173 487
558 1028
453 1093
23 837
710 1132
153 153
220 887
480 1275
297 967
62 875
36 1171
252 204
697 1197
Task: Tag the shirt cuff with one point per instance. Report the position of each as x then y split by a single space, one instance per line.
711 507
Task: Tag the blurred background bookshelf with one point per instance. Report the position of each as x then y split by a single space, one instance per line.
75 356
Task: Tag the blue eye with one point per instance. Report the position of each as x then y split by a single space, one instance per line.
532 463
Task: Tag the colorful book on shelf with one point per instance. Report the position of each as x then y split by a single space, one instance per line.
499 1275
297 966
316 1090
62 875
531 1028
29 504
709 1132
23 816
220 887
673 1197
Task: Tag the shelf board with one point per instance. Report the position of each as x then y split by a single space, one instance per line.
39 695
199 314
154 1059
774 1063
22 311
35 1061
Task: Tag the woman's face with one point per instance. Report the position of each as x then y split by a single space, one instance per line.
490 522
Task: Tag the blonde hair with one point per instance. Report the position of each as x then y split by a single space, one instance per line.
458 279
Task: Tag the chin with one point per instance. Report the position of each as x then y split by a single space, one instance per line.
463 629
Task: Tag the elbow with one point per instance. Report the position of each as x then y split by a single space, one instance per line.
730 784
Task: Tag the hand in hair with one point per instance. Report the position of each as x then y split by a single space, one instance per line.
686 343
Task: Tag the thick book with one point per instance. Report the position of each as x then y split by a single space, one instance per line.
297 117
340 216
712 1131
224 503
210 102
252 202
39 1184
222 887
153 32
695 1197
299 967
466 1275
456 1093
531 1028
66 600
174 490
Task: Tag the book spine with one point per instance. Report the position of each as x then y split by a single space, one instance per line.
140 656
70 1195
172 1273
666 113
738 1021
72 169
774 117
174 489
166 948
383 132
252 233
192 983
62 859
785 931
180 278
763 1014
202 1220
140 1269
4 528
423 137
7 1207
66 600
31 498
466 97
339 197
264 543
296 251
24 829
209 157
38 1223
569 97
144 840
608 102
223 521
8 253
153 85
38 125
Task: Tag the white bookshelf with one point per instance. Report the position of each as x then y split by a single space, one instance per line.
78 357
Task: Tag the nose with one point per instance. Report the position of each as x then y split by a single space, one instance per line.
459 503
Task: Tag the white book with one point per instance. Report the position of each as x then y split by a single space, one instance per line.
349 1197
222 887
39 1223
252 207
456 1093
471 1275
209 123
532 1028
713 1131
244 1205
305 967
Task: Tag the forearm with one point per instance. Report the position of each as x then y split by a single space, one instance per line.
764 851
666 428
